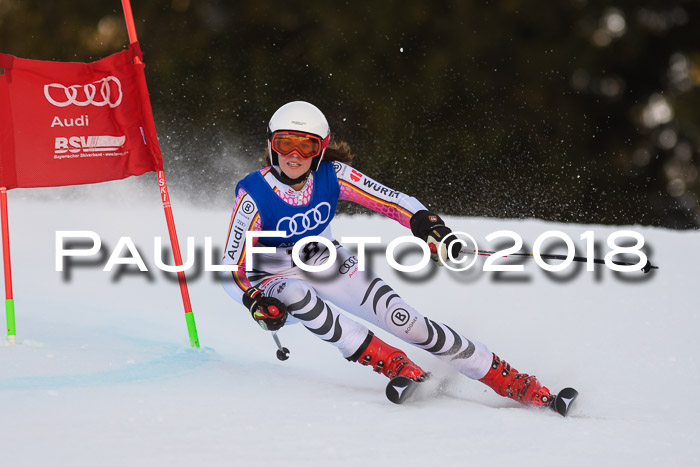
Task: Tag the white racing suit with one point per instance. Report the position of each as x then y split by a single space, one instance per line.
316 298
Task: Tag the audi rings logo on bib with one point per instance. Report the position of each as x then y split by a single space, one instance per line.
306 221
106 91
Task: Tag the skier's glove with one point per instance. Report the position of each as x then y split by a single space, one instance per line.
268 312
430 228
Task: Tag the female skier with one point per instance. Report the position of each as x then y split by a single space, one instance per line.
297 192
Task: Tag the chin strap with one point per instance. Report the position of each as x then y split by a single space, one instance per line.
282 177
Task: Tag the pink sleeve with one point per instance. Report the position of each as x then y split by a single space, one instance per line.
240 276
245 217
360 189
388 209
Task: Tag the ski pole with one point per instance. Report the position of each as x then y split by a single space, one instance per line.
282 352
582 259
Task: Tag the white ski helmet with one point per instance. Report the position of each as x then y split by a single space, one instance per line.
302 117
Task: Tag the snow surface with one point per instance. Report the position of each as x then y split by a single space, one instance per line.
103 374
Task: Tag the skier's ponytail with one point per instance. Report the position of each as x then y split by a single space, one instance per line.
339 151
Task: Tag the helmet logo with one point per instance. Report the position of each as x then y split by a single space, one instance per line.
298 123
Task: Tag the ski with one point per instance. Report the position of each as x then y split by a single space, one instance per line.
562 401
401 389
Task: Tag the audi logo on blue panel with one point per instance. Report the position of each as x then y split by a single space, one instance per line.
305 221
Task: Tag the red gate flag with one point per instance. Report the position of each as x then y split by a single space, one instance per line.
75 123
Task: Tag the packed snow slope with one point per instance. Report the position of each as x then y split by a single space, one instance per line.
102 373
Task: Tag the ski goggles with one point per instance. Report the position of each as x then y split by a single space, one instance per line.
305 145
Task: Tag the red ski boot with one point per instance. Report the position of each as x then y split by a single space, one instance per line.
507 382
388 360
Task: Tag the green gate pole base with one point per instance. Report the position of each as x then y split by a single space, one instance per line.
192 329
10 314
